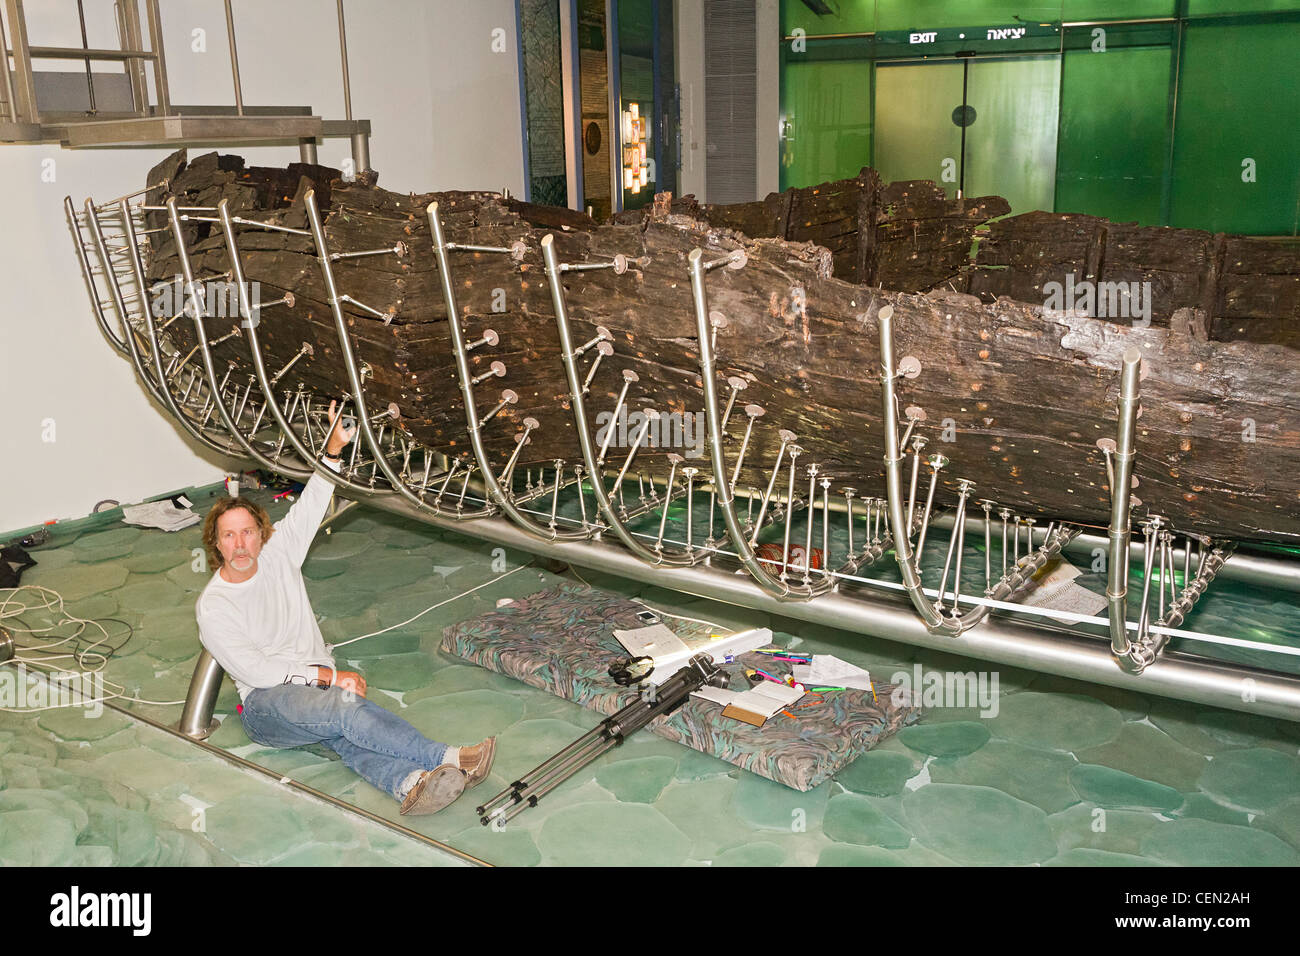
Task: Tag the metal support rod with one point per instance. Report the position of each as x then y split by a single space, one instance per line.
826 527
234 59
629 377
786 438
7 93
578 408
737 384
752 413
776 586
812 514
918 443
1118 532
674 460
936 463
603 349
310 465
932 619
85 44
350 364
343 56
690 507
789 515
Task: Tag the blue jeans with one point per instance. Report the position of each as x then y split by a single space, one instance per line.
377 744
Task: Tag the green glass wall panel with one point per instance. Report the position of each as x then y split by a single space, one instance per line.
864 16
850 16
1011 146
826 122
1114 133
915 137
928 14
1205 8
1116 9
1238 102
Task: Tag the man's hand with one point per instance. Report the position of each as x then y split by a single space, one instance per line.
351 681
339 436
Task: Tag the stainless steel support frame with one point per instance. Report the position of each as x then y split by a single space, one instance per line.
159 123
842 604
999 639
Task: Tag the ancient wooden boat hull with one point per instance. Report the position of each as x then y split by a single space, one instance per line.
1014 395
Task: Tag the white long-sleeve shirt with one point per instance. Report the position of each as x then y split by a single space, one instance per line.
263 631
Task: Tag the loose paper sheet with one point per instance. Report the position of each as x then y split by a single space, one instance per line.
1056 590
671 653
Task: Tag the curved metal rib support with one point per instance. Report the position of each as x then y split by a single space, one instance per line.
1127 654
1192 591
163 391
474 427
200 332
934 622
93 223
119 300
259 369
765 579
354 379
660 557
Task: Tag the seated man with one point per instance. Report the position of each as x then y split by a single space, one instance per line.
255 619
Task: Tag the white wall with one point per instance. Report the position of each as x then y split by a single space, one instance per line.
444 109
768 108
689 27
688 24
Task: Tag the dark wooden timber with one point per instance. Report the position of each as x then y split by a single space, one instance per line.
910 237
1025 393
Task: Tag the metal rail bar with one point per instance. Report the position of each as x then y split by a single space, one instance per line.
1001 640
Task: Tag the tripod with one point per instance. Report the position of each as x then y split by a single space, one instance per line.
611 731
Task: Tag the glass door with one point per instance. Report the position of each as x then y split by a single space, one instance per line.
978 125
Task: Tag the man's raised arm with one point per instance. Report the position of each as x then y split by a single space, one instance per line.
298 528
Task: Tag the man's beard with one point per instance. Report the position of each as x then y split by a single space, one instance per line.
241 561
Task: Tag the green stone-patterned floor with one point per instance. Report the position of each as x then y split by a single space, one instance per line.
1066 773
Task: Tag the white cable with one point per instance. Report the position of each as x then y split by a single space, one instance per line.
659 611
55 605
353 640
121 694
